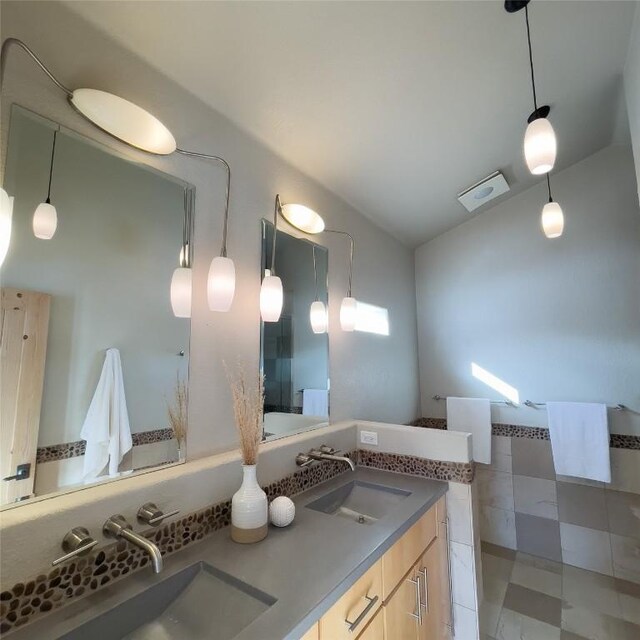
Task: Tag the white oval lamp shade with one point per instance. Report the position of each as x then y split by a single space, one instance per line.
271 299
540 146
6 216
124 120
348 310
318 317
181 292
552 220
303 218
45 221
221 284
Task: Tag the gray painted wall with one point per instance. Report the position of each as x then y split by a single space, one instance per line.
556 319
632 90
108 270
371 377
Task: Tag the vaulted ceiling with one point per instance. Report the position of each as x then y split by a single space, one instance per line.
395 106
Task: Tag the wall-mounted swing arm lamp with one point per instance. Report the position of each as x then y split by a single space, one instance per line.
348 307
138 128
271 294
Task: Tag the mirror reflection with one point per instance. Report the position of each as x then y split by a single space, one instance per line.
86 385
294 353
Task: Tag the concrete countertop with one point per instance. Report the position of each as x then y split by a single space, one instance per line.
306 566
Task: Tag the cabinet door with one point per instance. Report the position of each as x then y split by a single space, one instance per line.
312 634
400 612
375 630
355 608
432 592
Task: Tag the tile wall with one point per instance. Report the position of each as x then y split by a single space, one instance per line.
524 505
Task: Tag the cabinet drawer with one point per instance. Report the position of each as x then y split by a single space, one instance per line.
404 553
357 606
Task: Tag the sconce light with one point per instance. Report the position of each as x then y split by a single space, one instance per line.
6 215
45 217
552 217
137 128
271 294
303 218
317 311
182 279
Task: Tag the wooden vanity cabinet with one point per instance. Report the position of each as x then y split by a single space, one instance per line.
312 634
412 585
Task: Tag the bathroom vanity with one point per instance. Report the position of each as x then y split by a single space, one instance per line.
374 566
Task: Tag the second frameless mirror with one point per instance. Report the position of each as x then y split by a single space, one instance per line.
293 359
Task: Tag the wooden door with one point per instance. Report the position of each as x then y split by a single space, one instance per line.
23 349
375 629
312 634
432 593
400 610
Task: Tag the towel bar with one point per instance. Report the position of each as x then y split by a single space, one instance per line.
534 405
507 402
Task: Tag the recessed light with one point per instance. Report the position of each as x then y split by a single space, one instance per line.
484 191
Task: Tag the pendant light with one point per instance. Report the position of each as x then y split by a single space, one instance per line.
539 139
317 311
348 307
6 215
45 217
182 279
271 294
138 128
552 218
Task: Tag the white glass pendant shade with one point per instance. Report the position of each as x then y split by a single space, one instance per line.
124 120
221 284
6 215
271 298
540 146
318 317
552 220
303 218
348 310
181 282
45 221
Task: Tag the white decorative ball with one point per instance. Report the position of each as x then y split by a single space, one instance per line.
281 511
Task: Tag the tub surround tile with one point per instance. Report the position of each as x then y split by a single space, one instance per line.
534 604
625 470
462 575
498 526
495 488
459 513
626 558
513 625
532 458
623 511
535 496
538 536
582 588
592 625
497 551
582 505
547 582
586 548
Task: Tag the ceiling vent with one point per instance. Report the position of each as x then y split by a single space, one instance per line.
482 192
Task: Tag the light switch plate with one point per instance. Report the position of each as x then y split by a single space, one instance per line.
368 437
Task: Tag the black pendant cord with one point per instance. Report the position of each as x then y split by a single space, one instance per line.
549 187
533 80
53 155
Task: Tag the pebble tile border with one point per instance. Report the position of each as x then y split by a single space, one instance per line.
616 440
463 472
49 591
73 449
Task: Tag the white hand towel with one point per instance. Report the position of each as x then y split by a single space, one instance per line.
315 402
472 415
106 427
580 439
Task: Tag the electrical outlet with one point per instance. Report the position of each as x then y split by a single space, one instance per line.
368 437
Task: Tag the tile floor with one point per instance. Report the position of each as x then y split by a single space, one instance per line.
530 598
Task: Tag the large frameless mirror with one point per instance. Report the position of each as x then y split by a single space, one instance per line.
294 355
94 356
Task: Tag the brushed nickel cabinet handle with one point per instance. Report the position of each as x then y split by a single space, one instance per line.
425 604
363 615
418 614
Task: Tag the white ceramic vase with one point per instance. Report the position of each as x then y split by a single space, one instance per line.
249 509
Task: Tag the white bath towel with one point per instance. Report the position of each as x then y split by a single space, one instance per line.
315 402
472 415
580 439
106 427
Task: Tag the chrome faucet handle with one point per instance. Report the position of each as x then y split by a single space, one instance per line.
76 542
304 460
325 448
115 525
149 513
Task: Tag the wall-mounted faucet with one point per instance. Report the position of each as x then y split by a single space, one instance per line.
323 453
117 527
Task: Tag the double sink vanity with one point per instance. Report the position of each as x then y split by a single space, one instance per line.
366 557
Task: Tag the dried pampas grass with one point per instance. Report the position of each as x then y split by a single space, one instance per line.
178 411
248 404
